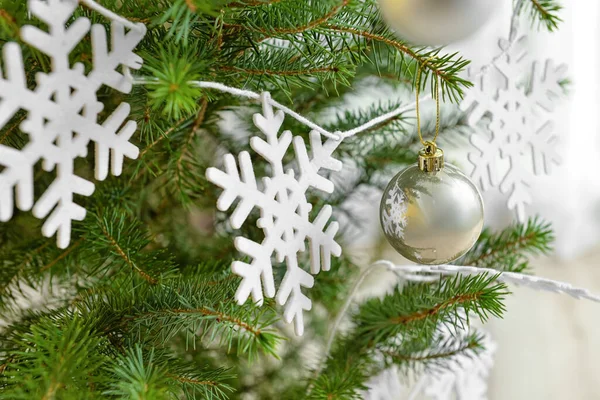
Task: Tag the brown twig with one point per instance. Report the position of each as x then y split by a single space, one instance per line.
514 244
418 316
296 29
163 136
128 260
393 43
65 253
252 3
219 316
434 356
11 129
184 379
280 73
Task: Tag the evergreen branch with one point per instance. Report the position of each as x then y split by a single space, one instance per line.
163 136
191 6
509 249
219 317
10 22
545 12
25 265
113 236
184 150
194 305
53 355
292 30
175 68
446 68
443 351
184 379
344 375
459 299
308 71
138 375
253 3
416 311
207 383
119 250
430 356
12 128
62 255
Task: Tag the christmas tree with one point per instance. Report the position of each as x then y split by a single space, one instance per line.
139 299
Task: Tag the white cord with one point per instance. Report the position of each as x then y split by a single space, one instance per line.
253 95
111 15
530 281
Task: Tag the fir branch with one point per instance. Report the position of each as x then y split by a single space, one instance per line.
416 310
545 12
252 3
54 355
509 249
175 68
117 243
197 306
459 299
218 316
62 255
207 384
344 375
440 354
8 131
9 23
119 250
306 9
162 137
137 375
307 71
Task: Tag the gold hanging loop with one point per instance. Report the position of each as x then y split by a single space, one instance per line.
431 158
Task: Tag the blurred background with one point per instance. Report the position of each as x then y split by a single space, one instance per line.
547 344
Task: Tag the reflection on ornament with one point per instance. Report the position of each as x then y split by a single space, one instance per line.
431 213
436 22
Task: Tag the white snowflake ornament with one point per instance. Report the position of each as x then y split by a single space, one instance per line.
284 213
467 377
62 114
515 99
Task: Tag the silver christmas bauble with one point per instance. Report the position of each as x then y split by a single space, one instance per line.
431 217
436 22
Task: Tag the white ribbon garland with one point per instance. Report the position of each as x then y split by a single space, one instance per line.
409 273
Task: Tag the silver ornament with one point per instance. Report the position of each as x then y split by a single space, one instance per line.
436 22
431 213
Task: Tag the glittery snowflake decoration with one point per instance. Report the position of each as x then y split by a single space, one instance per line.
514 99
393 216
284 213
62 114
466 379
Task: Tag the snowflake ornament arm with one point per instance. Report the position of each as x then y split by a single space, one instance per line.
284 213
62 113
466 377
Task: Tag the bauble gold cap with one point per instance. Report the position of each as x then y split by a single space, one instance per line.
431 159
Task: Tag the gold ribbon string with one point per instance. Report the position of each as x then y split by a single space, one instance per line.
437 103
